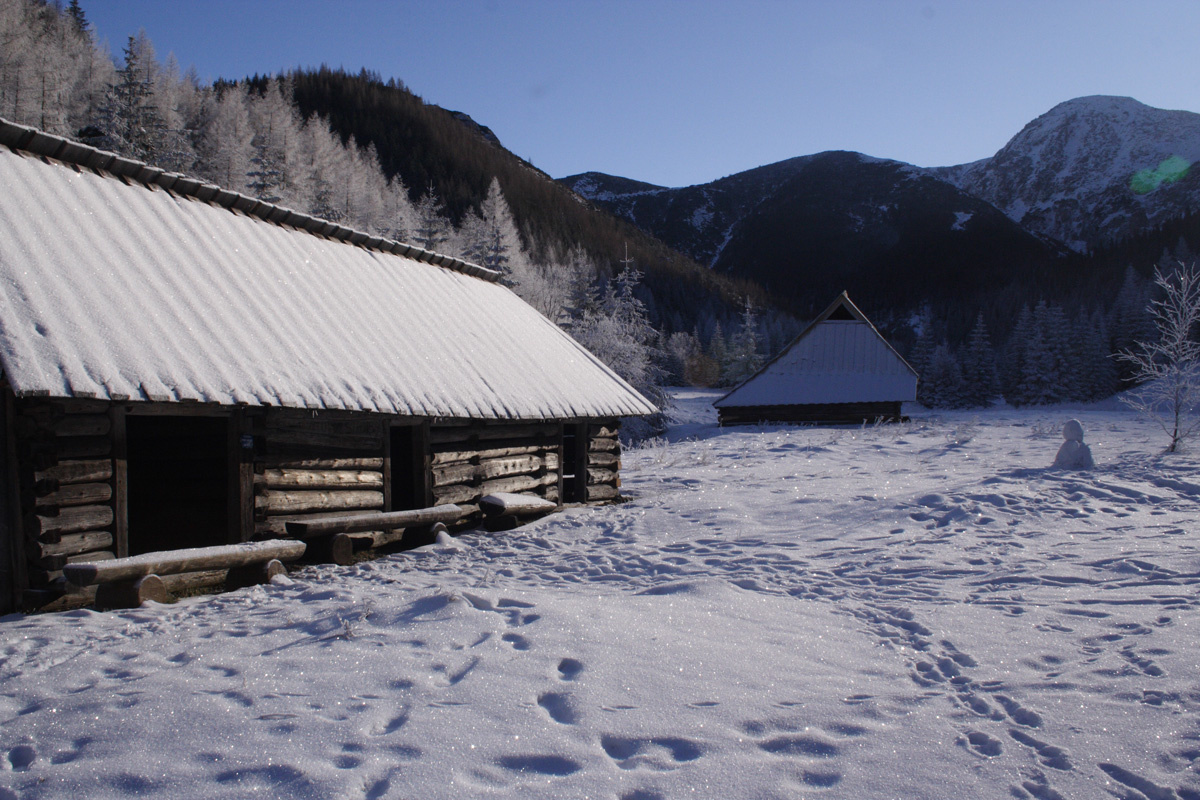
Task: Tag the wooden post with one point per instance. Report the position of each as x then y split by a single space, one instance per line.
241 477
120 477
387 464
14 576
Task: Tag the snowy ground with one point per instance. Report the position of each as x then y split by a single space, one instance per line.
915 611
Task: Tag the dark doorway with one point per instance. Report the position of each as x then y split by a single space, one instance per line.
178 471
574 452
408 467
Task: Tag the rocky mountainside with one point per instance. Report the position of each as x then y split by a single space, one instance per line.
695 220
1092 171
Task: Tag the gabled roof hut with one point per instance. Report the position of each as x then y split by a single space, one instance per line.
186 366
840 369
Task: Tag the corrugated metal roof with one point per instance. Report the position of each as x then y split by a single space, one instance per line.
118 289
832 361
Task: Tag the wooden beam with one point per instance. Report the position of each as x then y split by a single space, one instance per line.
119 471
327 526
170 562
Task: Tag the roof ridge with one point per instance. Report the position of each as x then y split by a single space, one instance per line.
59 148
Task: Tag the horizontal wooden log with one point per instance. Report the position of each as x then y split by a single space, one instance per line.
598 475
59 560
171 562
132 593
604 445
276 527
521 483
456 494
602 491
518 505
253 575
50 600
191 581
551 461
77 472
312 438
297 502
607 430
68 520
82 447
551 493
440 434
487 470
607 460
70 544
320 479
82 425
370 540
454 456
365 522
76 494
284 462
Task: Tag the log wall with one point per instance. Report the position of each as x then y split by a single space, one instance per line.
309 464
65 474
472 459
603 461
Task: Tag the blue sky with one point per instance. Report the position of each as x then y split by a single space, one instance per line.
679 92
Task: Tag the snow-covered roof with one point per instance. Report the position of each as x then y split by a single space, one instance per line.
120 281
839 358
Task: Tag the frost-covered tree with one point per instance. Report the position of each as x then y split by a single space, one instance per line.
978 363
1167 368
130 122
432 228
743 358
615 327
941 384
225 142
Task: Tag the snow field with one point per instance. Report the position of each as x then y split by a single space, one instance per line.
914 611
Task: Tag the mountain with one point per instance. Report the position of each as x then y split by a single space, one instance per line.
894 235
695 220
1092 170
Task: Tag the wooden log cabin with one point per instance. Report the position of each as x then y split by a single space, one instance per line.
187 367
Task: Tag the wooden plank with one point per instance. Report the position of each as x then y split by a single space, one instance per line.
76 494
69 520
172 562
296 502
519 505
77 472
82 425
14 575
454 473
348 441
328 526
607 430
490 431
320 479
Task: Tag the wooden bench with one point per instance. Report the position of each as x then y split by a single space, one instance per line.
340 536
128 582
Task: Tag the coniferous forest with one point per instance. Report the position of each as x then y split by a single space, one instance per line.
369 153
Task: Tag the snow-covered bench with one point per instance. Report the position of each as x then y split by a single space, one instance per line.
339 536
128 582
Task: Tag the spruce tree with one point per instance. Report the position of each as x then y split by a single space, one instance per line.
978 362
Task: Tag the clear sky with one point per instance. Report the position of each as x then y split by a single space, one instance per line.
679 92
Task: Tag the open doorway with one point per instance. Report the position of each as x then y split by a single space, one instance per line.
408 467
178 473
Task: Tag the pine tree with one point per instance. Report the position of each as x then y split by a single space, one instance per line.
131 123
1012 367
743 357
941 385
432 228
978 361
